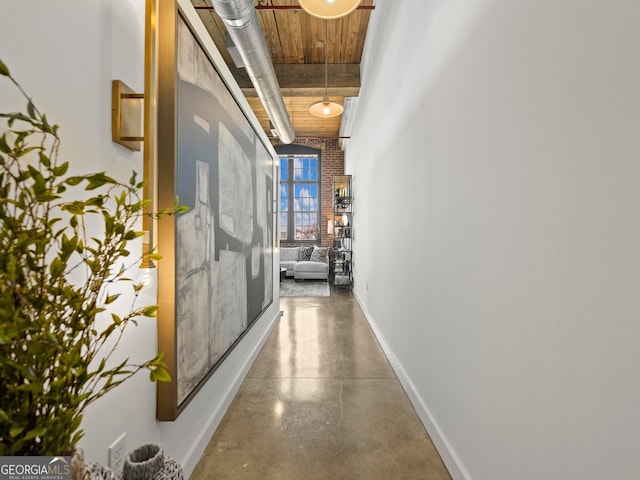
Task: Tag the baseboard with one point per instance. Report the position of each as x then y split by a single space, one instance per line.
449 457
195 452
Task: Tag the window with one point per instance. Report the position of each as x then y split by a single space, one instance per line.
299 198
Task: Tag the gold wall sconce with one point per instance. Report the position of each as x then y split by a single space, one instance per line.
128 130
127 116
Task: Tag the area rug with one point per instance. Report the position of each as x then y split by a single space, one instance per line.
305 288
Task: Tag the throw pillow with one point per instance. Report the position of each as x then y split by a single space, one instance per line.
319 254
305 254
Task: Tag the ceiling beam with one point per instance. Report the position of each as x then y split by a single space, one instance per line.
307 80
282 7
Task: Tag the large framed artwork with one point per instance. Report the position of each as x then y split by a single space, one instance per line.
215 278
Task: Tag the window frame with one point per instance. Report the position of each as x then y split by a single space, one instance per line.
291 182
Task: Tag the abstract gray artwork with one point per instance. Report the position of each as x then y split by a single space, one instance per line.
224 244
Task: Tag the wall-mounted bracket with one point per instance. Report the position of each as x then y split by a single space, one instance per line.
127 116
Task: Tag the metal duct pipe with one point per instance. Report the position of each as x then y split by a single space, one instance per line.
242 24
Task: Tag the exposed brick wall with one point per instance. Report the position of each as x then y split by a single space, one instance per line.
332 163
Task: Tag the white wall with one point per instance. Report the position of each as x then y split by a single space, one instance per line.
65 54
496 163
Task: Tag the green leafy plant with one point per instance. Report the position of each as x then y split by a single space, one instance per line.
63 253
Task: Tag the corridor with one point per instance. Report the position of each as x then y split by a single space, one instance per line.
321 402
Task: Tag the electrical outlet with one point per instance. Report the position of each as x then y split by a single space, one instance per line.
117 451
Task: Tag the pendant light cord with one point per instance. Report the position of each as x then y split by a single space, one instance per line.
325 108
326 62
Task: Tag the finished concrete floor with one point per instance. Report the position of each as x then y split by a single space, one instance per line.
321 402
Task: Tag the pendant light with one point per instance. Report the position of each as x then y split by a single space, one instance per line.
329 8
325 108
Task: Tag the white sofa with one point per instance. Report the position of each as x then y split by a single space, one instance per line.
317 268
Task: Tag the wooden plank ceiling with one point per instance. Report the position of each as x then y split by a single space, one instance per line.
296 43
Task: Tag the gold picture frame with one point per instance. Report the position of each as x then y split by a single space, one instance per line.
209 153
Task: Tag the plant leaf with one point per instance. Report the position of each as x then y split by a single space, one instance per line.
4 146
36 432
31 109
3 69
56 268
74 180
159 375
150 311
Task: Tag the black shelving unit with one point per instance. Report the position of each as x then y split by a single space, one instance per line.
342 271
